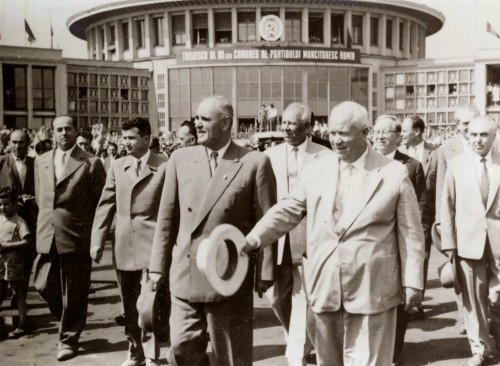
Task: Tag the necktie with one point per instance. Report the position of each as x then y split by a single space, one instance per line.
293 168
343 194
213 161
485 183
59 166
138 167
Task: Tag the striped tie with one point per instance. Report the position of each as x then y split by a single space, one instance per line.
485 183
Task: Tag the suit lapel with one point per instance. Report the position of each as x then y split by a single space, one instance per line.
329 186
149 168
371 180
426 161
129 169
74 162
226 171
47 166
15 174
494 179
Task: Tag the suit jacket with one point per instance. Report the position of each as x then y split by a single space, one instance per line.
9 177
278 157
415 173
465 222
135 201
193 203
360 261
67 208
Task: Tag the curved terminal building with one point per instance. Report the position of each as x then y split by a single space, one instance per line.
257 52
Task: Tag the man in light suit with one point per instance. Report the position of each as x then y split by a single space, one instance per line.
132 191
17 171
216 182
365 244
470 229
68 184
386 135
414 145
287 296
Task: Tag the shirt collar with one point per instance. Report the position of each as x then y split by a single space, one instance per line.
220 152
391 155
478 157
358 164
68 152
144 159
301 148
17 159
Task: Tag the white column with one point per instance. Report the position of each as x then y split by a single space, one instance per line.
167 32
283 20
29 93
421 42
149 35
258 17
189 32
327 28
366 32
132 35
382 29
347 26
406 40
395 37
90 43
118 40
107 55
98 42
234 25
414 40
305 25
211 28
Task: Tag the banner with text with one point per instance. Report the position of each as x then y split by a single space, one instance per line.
331 55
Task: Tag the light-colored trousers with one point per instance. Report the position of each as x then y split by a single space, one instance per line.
345 339
480 280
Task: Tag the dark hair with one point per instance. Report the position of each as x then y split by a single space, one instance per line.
86 135
113 144
154 143
8 193
416 122
192 129
142 125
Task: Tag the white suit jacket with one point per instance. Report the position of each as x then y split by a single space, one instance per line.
278 157
465 221
362 260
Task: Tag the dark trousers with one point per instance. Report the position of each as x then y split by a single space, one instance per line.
401 325
65 280
227 323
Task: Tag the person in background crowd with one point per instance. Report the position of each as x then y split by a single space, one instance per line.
14 235
272 117
216 182
362 211
470 229
84 141
112 151
414 145
66 212
43 146
261 119
318 140
154 145
287 296
132 192
186 136
453 147
17 171
386 135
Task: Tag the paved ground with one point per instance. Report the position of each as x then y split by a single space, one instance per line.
433 341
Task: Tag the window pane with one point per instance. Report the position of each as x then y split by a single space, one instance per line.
178 30
357 29
374 31
316 27
337 29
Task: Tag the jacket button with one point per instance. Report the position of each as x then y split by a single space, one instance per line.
190 209
226 210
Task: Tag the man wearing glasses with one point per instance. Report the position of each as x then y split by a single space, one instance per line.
386 135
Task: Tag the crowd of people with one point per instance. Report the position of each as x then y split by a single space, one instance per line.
338 233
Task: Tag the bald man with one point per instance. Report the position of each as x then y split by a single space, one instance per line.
365 244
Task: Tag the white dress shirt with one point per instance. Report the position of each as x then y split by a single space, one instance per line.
58 161
21 168
144 159
220 154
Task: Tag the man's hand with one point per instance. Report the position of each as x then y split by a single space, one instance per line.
155 278
249 247
96 253
262 286
412 297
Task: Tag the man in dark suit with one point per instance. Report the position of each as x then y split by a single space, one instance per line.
132 191
386 135
414 145
216 182
68 184
17 171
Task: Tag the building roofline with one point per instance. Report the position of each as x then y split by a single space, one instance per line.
79 22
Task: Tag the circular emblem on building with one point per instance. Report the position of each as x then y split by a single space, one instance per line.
271 28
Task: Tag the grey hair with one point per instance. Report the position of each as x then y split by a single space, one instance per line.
395 120
353 112
303 111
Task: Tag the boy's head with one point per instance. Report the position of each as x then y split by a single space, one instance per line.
8 201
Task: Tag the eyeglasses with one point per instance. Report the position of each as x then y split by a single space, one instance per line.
383 132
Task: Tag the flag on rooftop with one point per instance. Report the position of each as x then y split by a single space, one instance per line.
27 28
491 30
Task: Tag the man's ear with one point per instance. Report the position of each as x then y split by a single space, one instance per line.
227 123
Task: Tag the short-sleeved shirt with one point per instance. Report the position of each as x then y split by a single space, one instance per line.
12 229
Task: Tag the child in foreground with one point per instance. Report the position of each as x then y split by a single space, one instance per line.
14 234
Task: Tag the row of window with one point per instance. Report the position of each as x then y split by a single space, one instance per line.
15 88
247 29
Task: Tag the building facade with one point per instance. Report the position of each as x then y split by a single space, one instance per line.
258 52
